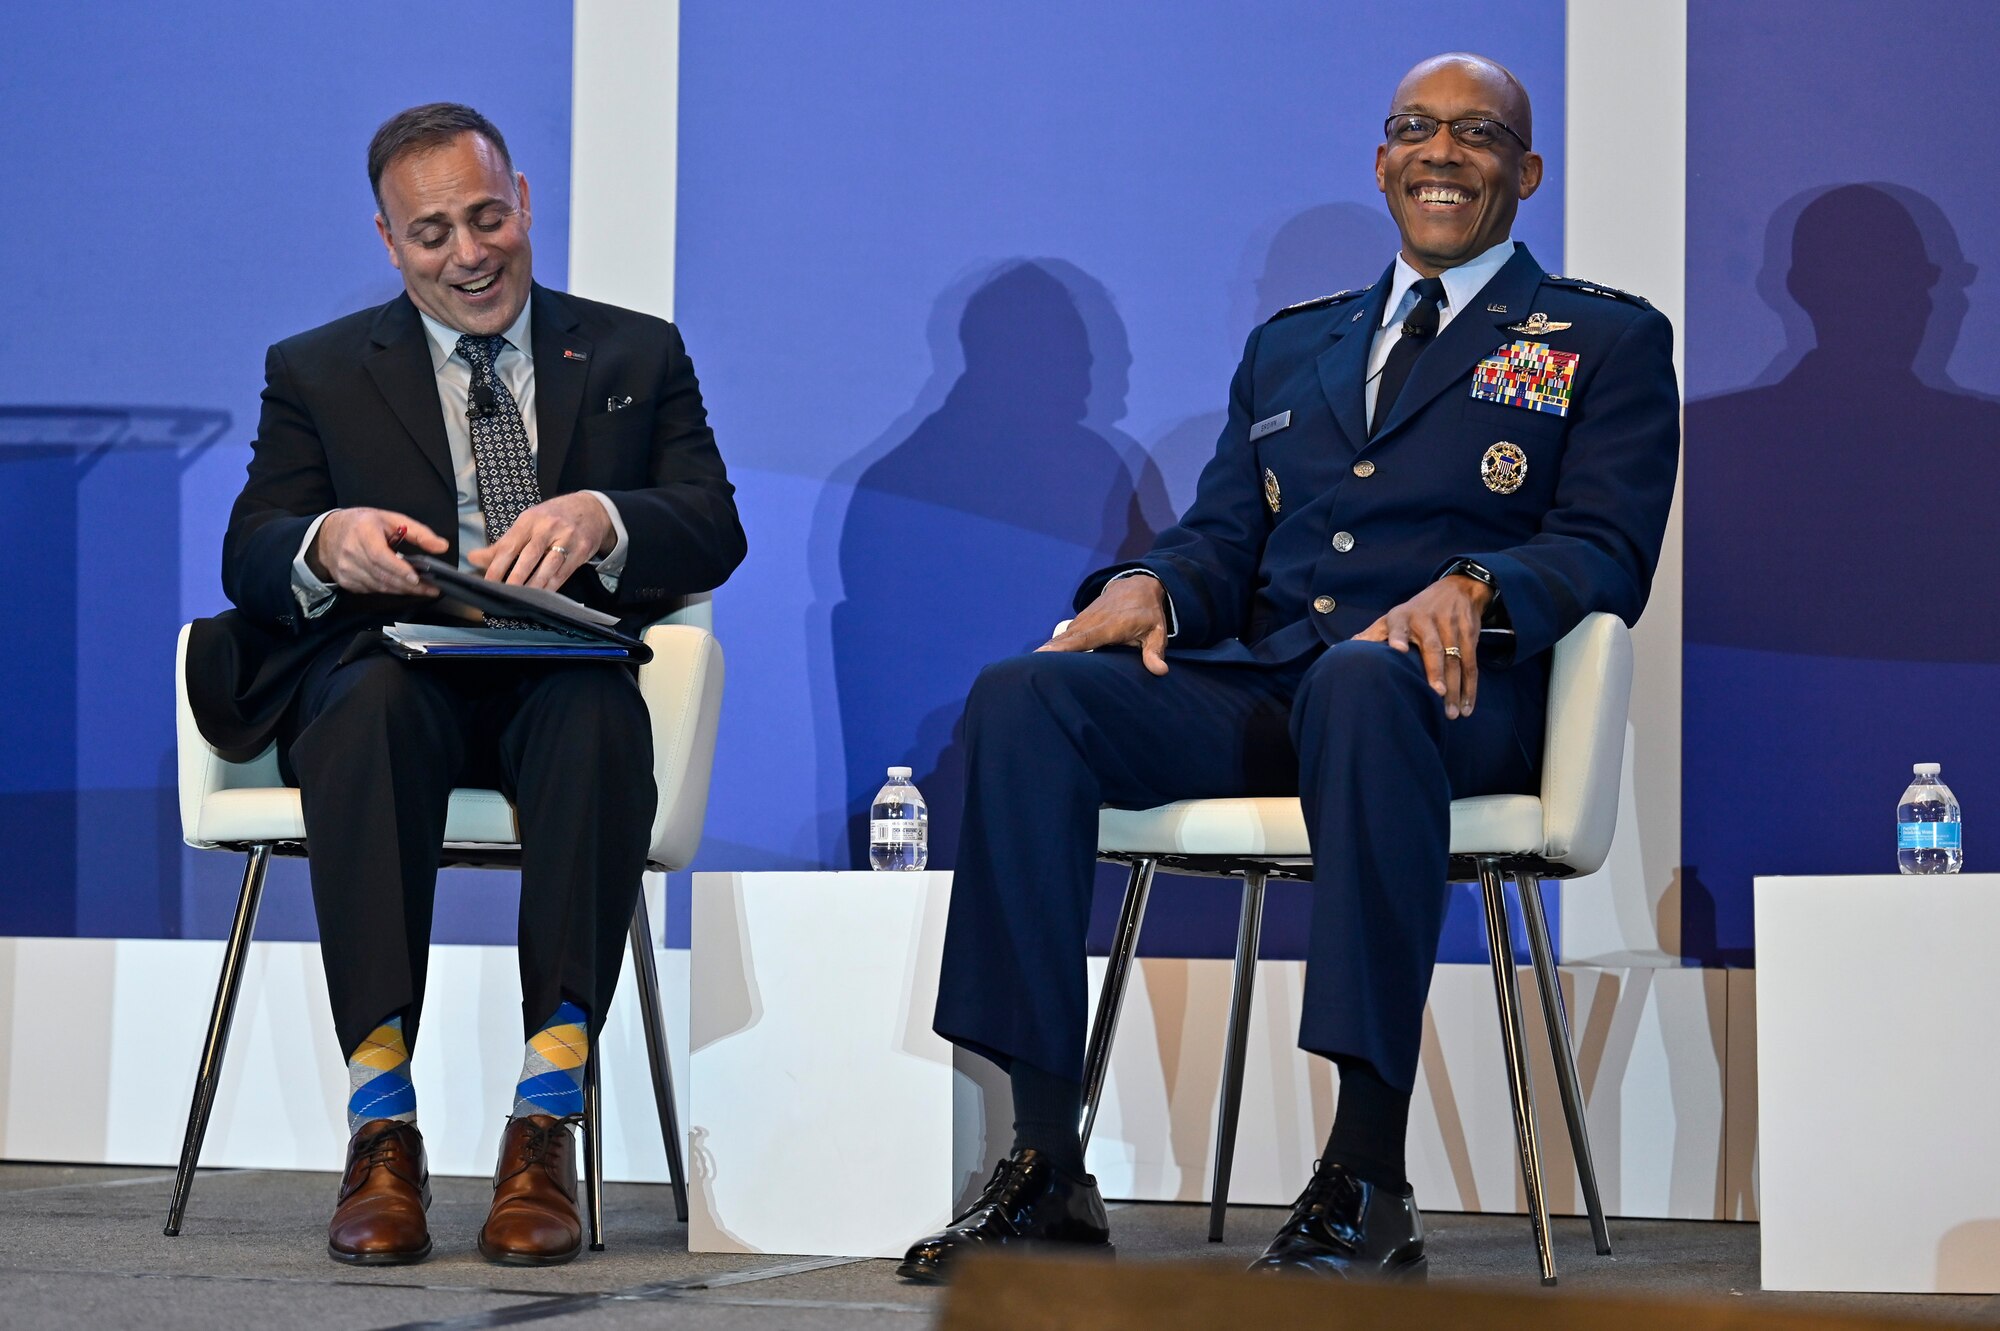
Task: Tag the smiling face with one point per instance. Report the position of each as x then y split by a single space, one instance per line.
1451 202
456 223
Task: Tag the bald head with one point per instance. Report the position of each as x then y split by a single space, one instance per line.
1508 99
1455 164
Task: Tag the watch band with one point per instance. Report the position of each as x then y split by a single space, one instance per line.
1473 569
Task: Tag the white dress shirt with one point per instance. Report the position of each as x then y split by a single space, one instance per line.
516 367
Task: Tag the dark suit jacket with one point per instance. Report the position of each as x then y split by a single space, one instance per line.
351 418
1581 533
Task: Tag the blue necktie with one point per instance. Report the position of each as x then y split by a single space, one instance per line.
1418 328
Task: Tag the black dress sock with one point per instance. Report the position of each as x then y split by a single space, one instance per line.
1371 1125
1048 1113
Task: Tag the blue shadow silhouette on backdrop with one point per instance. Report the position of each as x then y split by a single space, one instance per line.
964 538
1839 551
969 524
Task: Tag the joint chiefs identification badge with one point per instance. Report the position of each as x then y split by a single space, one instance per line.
1503 468
1271 495
1526 374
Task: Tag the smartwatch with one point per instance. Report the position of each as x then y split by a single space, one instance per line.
1476 571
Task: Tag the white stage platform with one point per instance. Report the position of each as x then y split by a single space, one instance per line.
102 1037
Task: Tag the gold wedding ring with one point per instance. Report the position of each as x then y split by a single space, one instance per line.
1452 651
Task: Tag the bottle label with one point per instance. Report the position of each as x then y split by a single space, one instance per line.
1927 836
895 832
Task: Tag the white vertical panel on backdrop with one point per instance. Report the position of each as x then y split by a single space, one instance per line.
1625 223
624 143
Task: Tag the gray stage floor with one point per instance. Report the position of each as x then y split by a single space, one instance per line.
81 1247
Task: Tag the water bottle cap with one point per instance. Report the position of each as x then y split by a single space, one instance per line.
903 773
1925 769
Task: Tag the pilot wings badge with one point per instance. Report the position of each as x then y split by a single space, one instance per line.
1536 324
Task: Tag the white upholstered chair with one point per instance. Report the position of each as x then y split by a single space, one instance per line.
1563 832
247 807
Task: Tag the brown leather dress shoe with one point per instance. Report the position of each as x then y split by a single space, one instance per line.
379 1219
534 1220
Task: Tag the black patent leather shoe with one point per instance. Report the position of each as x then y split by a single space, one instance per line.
1344 1229
1027 1202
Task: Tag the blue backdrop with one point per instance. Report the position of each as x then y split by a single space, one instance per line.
190 186
1843 440
965 289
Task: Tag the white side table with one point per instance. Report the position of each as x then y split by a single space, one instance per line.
820 1101
1878 1082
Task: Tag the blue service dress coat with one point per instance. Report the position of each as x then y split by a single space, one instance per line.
1538 435
1304 534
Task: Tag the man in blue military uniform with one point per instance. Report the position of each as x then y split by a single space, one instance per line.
1421 487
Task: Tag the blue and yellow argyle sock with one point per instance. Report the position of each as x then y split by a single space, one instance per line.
378 1078
552 1072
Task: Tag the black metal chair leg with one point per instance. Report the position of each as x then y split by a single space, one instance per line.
1111 1001
1557 1018
227 987
593 1153
1235 1053
1507 989
658 1056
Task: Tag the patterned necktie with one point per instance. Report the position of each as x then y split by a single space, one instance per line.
500 454
1418 326
508 485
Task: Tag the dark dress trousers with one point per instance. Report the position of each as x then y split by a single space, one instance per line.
351 418
1299 538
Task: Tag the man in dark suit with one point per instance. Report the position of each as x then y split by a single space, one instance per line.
1420 488
544 441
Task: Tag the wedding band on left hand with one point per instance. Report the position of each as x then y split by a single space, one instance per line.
1453 651
563 553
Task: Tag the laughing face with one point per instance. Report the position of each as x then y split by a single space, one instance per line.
456 223
1452 202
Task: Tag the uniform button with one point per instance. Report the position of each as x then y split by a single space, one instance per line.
1364 469
1323 604
1343 541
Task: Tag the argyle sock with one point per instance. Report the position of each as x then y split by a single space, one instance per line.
1048 1111
1371 1124
378 1078
552 1070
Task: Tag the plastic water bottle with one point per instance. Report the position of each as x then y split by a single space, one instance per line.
1927 825
899 825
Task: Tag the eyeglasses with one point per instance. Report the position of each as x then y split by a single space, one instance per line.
1472 131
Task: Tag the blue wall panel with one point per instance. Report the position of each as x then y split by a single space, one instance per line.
1843 440
965 289
190 186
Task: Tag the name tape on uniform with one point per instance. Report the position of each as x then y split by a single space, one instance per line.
1270 425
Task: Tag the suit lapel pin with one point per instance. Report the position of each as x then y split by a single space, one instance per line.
1271 495
1536 324
574 355
1496 309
